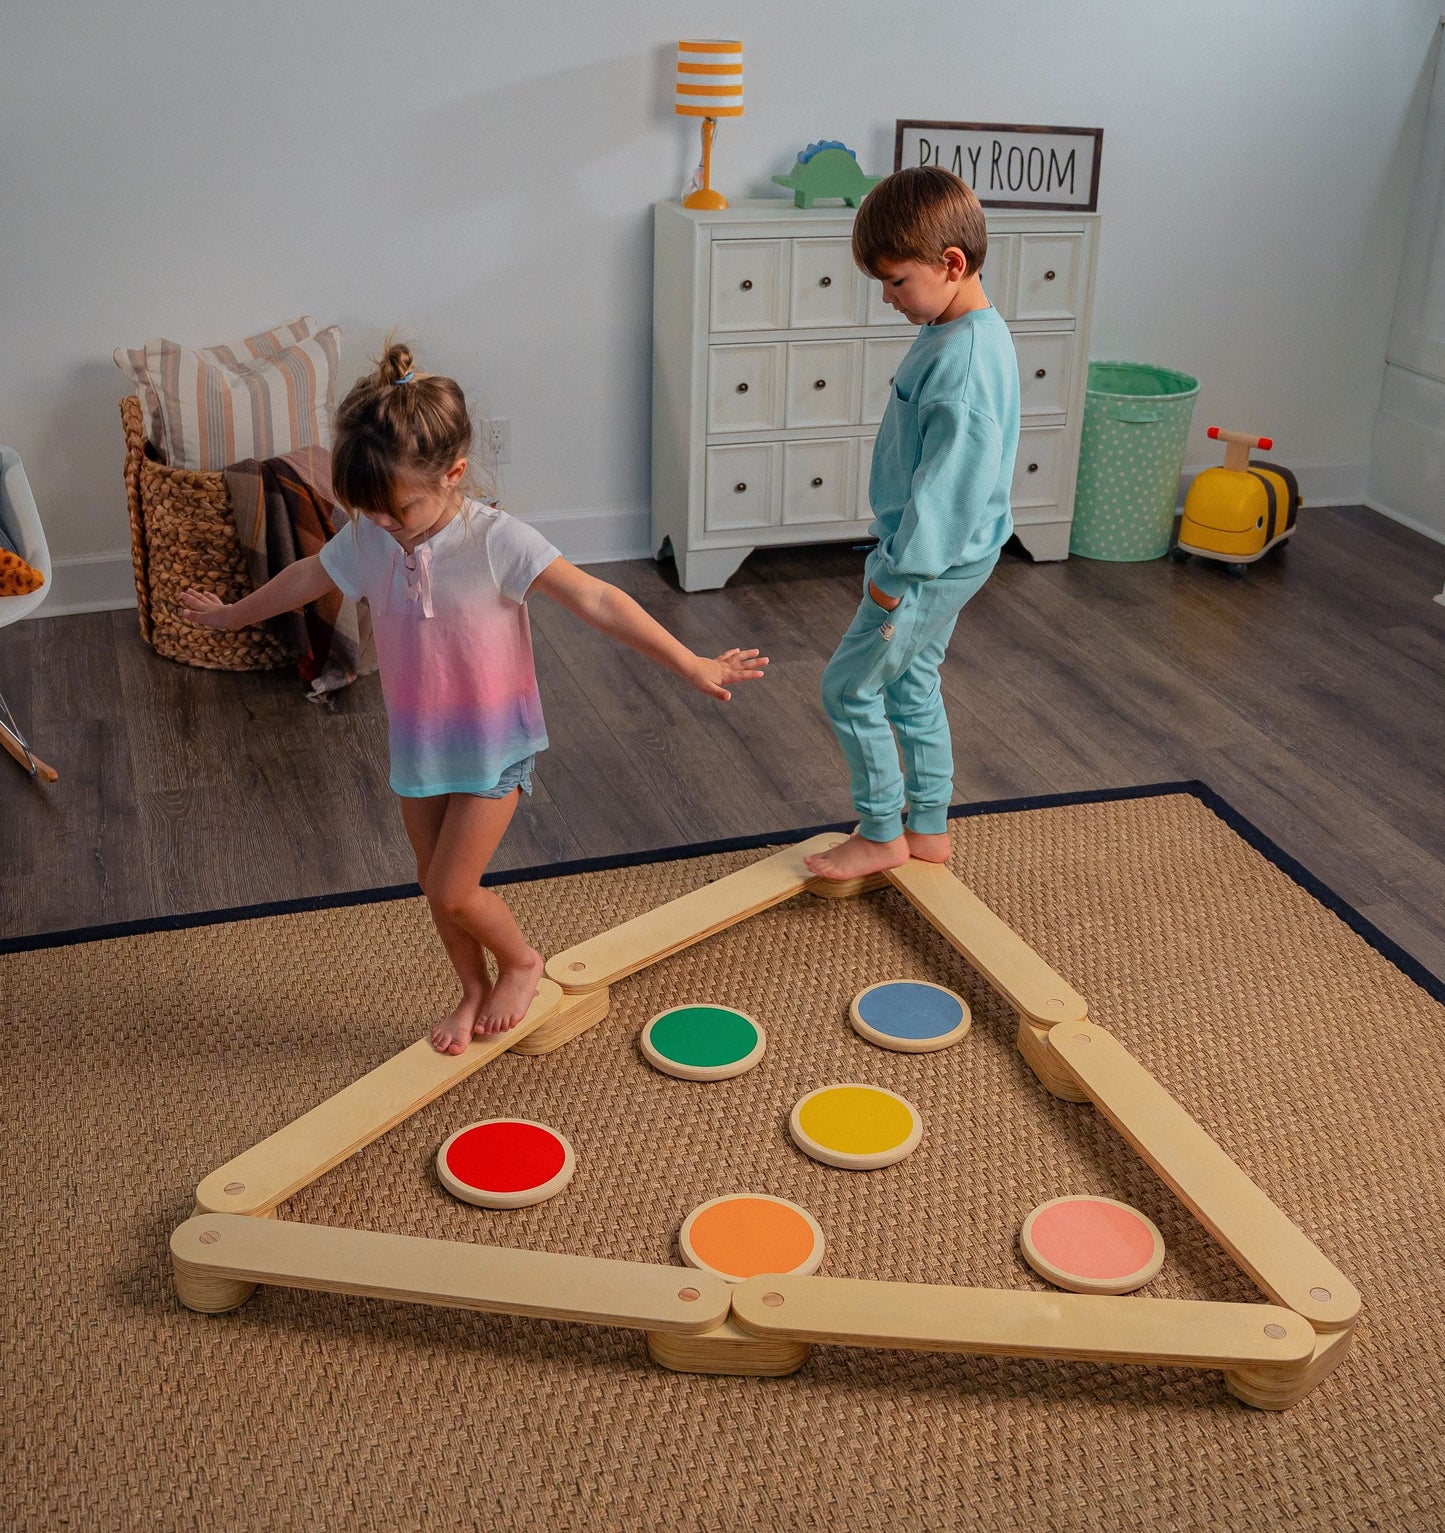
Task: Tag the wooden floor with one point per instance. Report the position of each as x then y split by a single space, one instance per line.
1309 694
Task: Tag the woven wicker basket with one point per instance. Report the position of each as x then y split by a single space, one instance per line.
183 533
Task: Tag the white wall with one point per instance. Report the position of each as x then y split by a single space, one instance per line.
1407 456
482 173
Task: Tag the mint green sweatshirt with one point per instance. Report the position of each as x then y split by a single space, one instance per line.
944 459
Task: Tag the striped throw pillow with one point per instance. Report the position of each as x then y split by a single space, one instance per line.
132 362
257 398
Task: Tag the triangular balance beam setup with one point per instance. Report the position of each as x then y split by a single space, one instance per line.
1272 1354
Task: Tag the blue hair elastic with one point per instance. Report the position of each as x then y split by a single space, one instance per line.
397 382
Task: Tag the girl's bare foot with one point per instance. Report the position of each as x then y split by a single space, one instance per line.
454 1032
511 995
855 858
928 847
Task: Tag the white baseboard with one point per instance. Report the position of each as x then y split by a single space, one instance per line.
106 583
1412 522
598 537
89 583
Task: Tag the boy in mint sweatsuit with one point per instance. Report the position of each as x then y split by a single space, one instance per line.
942 467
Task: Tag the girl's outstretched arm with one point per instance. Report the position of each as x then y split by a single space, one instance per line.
297 584
612 611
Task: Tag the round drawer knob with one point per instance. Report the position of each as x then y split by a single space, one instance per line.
820 383
747 283
817 484
739 487
1040 374
742 388
1048 276
825 282
1033 468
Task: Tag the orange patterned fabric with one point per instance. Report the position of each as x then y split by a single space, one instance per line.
17 578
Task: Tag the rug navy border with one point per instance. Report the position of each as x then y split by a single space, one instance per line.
1410 967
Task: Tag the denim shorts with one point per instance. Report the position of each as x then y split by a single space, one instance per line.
518 775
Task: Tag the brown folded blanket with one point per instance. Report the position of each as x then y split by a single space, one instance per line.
285 511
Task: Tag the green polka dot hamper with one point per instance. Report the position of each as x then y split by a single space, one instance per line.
1131 451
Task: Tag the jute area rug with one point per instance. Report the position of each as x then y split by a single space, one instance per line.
137 1063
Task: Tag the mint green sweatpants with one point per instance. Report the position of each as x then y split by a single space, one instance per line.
882 696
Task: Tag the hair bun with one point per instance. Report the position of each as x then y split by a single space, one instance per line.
395 364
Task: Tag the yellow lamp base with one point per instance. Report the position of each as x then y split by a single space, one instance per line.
705 197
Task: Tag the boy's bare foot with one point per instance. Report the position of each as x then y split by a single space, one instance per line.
512 994
928 847
855 858
454 1032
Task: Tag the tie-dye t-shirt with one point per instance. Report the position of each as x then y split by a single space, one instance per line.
453 644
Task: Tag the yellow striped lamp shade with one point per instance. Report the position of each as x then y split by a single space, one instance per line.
709 79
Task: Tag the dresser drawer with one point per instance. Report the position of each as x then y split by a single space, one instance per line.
998 272
1039 465
881 361
818 481
1048 276
875 311
823 383
740 487
1046 370
747 285
825 284
745 387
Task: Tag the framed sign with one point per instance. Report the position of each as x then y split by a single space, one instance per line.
1009 165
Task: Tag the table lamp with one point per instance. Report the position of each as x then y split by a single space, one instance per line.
709 85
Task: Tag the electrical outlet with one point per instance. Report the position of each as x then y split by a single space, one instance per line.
499 440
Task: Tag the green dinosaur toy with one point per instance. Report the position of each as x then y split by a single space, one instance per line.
827 169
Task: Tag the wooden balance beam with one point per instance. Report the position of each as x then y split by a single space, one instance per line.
258 1180
999 954
646 939
1271 1354
1096 1328
1274 1252
219 1258
1037 994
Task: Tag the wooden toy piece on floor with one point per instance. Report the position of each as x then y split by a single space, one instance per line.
911 1016
613 955
745 1234
505 1163
1092 1245
1272 1355
1262 1240
702 1042
857 1127
1274 1344
260 1179
212 1251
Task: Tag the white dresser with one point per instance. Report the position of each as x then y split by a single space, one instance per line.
773 357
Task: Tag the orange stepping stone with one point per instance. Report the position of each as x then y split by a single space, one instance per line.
746 1234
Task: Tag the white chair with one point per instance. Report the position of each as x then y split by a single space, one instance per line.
22 521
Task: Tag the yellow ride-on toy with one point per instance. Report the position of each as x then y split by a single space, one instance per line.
1237 513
